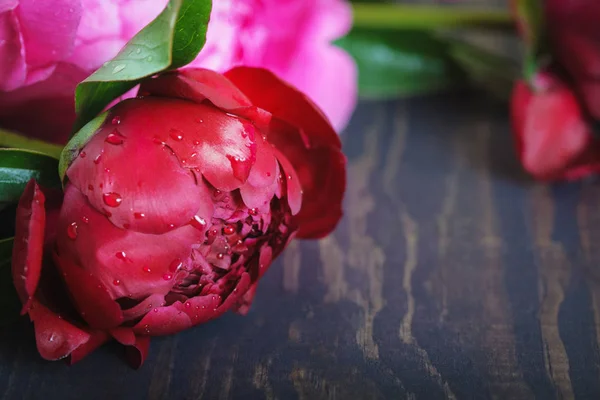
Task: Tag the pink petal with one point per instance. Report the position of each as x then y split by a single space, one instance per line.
48 29
13 68
293 184
29 243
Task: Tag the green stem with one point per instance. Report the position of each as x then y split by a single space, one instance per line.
402 16
14 140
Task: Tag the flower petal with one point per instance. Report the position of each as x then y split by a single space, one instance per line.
199 84
90 297
126 262
285 102
29 243
56 338
13 68
97 339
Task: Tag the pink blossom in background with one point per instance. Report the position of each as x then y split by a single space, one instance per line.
47 47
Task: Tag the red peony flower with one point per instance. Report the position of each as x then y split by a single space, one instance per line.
553 139
174 209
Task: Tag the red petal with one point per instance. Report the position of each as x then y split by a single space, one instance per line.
123 261
56 338
90 297
293 185
198 84
322 175
136 354
29 243
285 102
97 339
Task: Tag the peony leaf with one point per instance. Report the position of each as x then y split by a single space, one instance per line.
530 20
74 146
14 140
18 166
401 62
172 40
9 301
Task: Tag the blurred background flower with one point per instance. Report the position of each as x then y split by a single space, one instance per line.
44 58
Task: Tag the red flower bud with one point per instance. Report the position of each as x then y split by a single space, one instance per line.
553 140
174 209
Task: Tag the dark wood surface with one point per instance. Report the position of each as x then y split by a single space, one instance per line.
451 276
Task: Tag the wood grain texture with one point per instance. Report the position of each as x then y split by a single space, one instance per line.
451 276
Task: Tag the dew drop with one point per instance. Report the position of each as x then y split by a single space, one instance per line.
155 310
289 177
112 199
149 58
229 230
72 231
253 211
171 226
175 265
138 215
116 120
118 68
85 220
146 269
188 304
220 256
176 134
268 174
116 282
167 277
198 222
217 192
83 154
138 50
114 138
121 255
98 158
196 142
158 141
199 120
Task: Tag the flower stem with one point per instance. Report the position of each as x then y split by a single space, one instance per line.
14 140
402 16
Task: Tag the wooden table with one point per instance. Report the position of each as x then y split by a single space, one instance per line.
452 275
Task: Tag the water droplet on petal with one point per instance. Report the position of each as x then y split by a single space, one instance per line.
139 215
171 226
112 199
121 255
116 282
155 310
268 174
72 231
176 134
85 220
196 142
198 222
118 68
253 211
199 120
116 120
83 154
175 265
146 269
220 256
114 138
229 230
98 158
158 141
188 304
289 177
167 277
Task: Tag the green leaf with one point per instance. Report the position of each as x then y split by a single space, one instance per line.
73 148
9 300
530 18
18 166
392 15
11 139
401 63
494 72
172 40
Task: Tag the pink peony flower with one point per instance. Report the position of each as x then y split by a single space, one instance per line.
47 47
